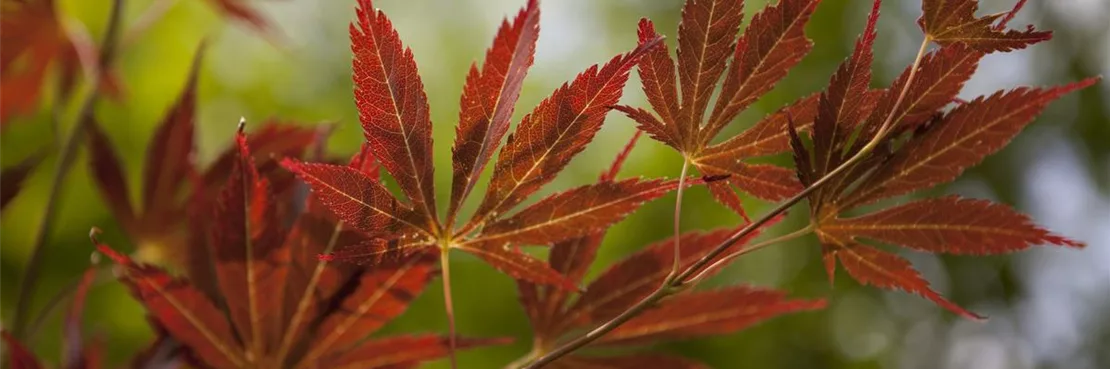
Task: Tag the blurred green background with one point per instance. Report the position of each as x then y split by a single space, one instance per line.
1048 307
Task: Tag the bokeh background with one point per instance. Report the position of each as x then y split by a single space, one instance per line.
1049 308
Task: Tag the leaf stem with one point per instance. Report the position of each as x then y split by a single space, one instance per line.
671 285
448 304
67 156
678 218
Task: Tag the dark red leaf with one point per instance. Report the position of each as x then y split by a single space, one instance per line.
706 37
574 213
557 130
392 106
705 313
949 225
360 201
657 77
488 99
773 44
961 139
889 271
518 265
954 21
107 171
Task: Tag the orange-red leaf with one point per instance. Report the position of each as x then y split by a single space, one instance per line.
961 139
949 225
657 78
557 130
576 212
706 38
392 106
954 21
360 201
488 100
773 43
843 104
705 313
518 265
769 136
889 271
939 78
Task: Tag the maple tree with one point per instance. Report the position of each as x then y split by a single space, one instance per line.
239 268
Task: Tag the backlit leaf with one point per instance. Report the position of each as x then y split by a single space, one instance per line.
948 225
488 99
773 43
706 37
557 130
708 313
392 106
962 138
954 21
574 213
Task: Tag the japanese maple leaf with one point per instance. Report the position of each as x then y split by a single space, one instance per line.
278 306
927 146
954 21
707 49
156 223
393 111
556 313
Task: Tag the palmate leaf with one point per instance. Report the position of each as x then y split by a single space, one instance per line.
554 314
954 21
925 147
772 44
279 305
393 111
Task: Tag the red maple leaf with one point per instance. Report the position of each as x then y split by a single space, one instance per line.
920 145
394 114
707 49
276 305
555 313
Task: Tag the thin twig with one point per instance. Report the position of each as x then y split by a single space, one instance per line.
66 159
671 285
748 249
